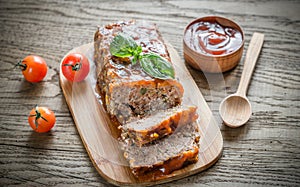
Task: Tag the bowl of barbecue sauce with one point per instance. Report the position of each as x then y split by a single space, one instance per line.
213 44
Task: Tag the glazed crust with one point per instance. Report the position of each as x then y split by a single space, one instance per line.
127 90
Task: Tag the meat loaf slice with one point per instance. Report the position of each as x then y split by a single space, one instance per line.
126 89
156 126
165 155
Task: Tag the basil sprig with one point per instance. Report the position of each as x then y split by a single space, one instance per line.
151 63
157 66
124 46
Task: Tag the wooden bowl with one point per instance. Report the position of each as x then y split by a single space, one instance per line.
211 62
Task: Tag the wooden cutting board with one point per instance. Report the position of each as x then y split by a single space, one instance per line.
100 139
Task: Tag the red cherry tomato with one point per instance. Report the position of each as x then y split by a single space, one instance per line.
34 68
41 119
75 67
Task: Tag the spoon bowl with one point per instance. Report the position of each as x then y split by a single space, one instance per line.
235 110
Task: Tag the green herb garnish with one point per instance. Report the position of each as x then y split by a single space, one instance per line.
157 66
124 46
151 63
143 91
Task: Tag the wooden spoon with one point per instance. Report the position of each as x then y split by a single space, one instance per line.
235 109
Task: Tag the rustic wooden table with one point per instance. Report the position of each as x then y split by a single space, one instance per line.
266 151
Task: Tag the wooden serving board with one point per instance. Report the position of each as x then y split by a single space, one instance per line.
100 139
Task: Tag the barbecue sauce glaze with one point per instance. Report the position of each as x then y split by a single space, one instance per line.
212 38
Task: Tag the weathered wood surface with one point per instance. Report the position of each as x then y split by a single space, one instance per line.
266 151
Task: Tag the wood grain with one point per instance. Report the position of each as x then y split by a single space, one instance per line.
264 152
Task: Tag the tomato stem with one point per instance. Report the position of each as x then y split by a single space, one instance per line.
37 116
21 65
75 67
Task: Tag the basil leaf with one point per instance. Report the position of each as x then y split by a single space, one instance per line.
123 46
157 66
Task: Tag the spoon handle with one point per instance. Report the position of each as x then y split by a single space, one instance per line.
250 61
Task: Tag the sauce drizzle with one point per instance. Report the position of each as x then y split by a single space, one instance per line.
213 38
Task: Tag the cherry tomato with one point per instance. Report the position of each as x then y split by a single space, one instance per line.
75 67
34 68
41 119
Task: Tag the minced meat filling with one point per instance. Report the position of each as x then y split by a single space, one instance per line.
184 139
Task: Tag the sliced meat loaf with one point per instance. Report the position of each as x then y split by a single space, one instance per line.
165 155
156 126
126 89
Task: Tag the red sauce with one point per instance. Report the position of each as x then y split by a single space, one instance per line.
213 38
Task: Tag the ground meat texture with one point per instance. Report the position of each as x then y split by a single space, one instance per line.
165 155
159 125
126 89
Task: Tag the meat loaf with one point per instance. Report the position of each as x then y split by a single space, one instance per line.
165 155
126 89
156 126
